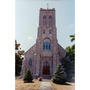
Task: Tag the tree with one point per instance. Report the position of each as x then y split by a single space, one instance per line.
28 76
59 76
69 68
16 45
69 60
18 58
18 49
72 37
18 64
70 52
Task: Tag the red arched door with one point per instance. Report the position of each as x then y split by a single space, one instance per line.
46 68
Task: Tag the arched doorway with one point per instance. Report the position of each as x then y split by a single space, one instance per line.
46 68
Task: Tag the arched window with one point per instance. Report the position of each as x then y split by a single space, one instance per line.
44 20
46 44
43 32
50 31
50 20
30 62
46 64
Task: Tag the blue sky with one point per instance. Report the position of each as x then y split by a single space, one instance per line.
27 20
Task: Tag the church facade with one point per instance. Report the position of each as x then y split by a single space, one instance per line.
43 57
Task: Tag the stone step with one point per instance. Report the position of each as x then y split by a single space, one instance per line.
47 77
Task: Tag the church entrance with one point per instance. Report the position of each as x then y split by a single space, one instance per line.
46 68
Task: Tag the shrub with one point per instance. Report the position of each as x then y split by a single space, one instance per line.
28 76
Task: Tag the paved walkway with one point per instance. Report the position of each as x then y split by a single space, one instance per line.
46 86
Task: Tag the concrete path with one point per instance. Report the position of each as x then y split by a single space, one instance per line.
46 86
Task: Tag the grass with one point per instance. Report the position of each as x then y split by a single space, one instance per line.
20 85
67 86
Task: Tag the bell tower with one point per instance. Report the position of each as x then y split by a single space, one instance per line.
47 17
47 23
46 40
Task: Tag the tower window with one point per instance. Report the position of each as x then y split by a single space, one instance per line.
50 20
43 31
50 31
46 44
44 20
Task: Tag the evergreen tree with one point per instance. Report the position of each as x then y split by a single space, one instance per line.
59 75
69 68
28 76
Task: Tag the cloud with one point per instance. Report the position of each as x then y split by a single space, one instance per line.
30 38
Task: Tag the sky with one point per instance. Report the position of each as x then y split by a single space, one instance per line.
27 21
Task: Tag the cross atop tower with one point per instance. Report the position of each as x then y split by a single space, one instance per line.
47 6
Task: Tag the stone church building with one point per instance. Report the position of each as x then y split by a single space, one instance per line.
43 57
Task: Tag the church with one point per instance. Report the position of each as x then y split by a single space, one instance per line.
43 57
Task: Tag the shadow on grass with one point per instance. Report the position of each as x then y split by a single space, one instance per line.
71 80
28 82
64 84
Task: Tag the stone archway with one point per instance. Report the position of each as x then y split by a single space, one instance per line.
46 68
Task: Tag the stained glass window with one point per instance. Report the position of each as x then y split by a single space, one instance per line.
30 62
46 44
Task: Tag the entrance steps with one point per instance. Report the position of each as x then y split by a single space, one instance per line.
47 76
